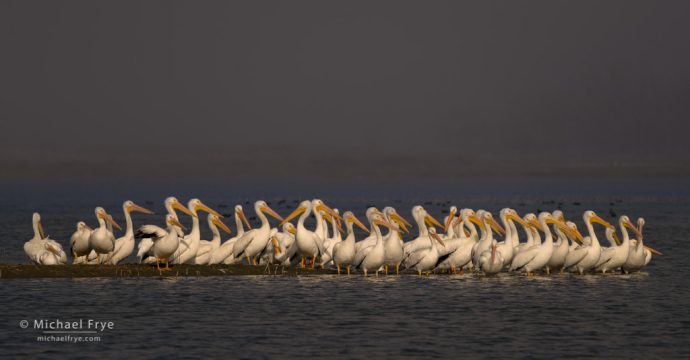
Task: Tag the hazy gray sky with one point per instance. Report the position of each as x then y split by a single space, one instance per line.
94 81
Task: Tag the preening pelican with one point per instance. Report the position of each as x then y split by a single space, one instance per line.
125 244
490 261
102 240
254 241
165 241
425 259
344 251
206 247
309 243
586 256
189 245
40 249
282 248
640 255
79 243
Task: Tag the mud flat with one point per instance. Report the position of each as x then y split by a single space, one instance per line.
137 270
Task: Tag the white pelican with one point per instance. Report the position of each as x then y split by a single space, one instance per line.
125 244
586 256
486 223
79 243
165 241
461 253
373 257
537 256
506 248
640 255
282 245
206 247
425 259
40 249
254 241
532 235
560 248
490 261
423 240
393 241
370 240
146 244
189 245
615 256
344 251
330 242
224 252
102 240
309 244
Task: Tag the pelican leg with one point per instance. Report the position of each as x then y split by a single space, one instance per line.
303 262
348 269
397 269
158 263
167 265
365 272
313 261
338 269
548 271
254 261
419 272
386 266
249 260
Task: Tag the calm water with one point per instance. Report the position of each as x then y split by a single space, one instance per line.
641 315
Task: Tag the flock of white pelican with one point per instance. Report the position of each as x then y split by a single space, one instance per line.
465 241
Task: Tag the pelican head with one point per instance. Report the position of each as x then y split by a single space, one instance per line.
304 206
81 226
195 205
171 203
129 206
101 214
319 205
379 219
590 216
395 218
262 206
38 227
239 212
420 213
214 220
289 228
350 218
451 216
170 220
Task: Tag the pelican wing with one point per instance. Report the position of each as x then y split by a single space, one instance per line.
368 241
360 255
575 256
151 231
415 258
242 243
524 257
145 246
